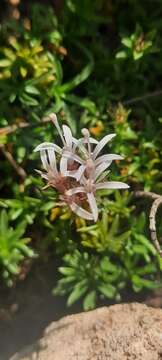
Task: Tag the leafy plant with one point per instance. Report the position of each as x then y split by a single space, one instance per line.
91 63
125 259
137 45
103 236
87 275
13 248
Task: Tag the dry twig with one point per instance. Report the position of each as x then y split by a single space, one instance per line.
142 97
20 171
12 128
157 201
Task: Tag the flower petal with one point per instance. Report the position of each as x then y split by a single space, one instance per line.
63 165
71 173
80 144
67 136
101 168
53 118
107 157
86 135
83 180
76 174
43 175
72 156
75 141
44 159
52 160
93 205
112 185
79 189
103 176
91 140
81 212
80 172
101 144
48 145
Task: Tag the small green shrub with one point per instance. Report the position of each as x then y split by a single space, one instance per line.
137 45
113 262
13 248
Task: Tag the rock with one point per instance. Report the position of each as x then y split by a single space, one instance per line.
119 332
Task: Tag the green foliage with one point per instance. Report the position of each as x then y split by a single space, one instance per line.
91 63
137 45
120 260
87 275
103 237
26 71
13 248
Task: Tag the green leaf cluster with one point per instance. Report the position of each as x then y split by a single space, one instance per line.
119 261
13 248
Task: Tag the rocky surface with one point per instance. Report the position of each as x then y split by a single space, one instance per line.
119 332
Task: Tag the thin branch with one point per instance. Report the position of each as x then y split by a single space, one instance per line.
152 217
143 97
12 128
20 171
157 202
149 194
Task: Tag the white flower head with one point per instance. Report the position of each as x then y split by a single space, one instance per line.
75 169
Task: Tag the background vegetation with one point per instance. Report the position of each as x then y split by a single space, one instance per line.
96 64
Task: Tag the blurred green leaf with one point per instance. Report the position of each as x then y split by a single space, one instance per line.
78 291
89 301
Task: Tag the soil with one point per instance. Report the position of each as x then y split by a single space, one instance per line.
30 307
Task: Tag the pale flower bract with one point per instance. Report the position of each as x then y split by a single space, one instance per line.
75 170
